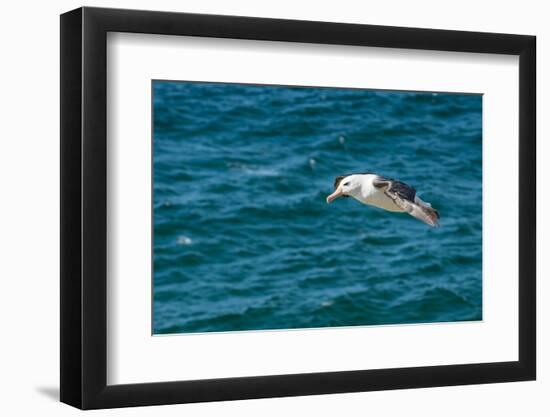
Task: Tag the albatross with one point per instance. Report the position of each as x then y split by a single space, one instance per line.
385 193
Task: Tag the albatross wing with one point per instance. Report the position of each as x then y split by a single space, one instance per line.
405 197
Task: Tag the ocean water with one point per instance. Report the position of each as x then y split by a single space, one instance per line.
243 237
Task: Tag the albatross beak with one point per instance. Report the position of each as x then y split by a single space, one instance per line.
335 195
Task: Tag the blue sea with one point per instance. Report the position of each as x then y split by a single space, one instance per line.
243 237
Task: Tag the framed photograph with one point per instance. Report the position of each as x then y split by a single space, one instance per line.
260 208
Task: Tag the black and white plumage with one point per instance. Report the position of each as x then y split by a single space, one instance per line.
385 193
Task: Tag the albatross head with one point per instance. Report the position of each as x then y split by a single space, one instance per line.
345 186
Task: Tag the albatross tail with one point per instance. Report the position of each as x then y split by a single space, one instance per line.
425 212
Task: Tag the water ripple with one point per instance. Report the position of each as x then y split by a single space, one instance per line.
243 238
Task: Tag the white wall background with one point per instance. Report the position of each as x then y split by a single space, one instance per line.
29 178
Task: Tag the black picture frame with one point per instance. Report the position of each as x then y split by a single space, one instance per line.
84 207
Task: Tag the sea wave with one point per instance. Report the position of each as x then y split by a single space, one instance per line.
243 238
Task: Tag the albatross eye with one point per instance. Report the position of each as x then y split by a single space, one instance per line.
346 184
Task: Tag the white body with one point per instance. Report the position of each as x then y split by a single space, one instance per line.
369 194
